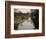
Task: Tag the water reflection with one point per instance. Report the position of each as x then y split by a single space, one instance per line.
26 25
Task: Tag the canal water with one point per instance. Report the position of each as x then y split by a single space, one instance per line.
26 25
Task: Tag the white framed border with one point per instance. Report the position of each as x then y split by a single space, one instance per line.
26 31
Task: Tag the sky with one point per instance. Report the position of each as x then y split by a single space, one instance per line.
23 10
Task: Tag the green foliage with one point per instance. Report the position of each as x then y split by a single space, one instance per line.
20 19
